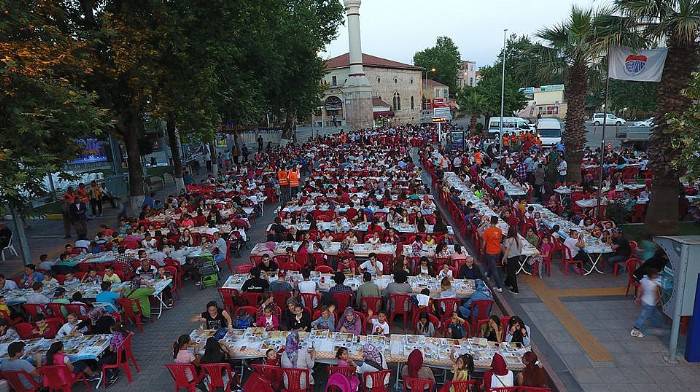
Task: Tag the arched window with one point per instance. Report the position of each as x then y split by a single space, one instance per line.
412 105
397 101
379 80
396 80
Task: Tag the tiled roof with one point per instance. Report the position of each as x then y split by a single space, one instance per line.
434 83
343 61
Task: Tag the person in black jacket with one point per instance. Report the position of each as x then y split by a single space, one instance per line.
78 215
469 270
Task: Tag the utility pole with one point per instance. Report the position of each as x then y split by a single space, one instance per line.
503 90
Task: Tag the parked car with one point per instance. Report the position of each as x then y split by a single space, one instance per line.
649 122
610 119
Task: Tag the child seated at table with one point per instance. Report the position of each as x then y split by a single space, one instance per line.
92 277
72 327
56 356
326 320
424 326
380 326
268 319
271 358
343 358
455 329
70 280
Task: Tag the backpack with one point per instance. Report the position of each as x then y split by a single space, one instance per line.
243 321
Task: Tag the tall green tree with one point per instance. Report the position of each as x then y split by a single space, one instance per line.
571 49
42 111
304 29
489 88
633 99
473 103
686 129
523 60
677 22
444 58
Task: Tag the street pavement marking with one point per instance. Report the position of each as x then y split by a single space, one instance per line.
550 297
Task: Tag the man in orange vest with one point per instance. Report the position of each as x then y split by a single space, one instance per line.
294 176
283 179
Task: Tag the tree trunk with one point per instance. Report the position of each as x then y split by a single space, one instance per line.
214 158
131 125
288 132
472 123
662 213
575 136
174 142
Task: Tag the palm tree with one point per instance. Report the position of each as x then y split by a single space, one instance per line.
472 102
571 49
678 23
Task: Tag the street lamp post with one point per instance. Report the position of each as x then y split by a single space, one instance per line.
503 89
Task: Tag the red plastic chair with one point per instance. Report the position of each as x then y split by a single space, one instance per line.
294 379
417 384
15 381
448 306
121 363
25 330
308 301
80 310
134 316
129 352
346 371
215 371
461 386
181 372
482 309
227 298
291 266
56 311
324 269
244 268
60 378
568 260
342 300
34 310
401 307
280 298
251 310
250 298
273 374
380 380
373 303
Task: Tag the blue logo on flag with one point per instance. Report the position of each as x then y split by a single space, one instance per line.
635 64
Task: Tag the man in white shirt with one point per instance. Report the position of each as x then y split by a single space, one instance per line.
7 284
575 244
562 168
307 286
373 266
36 296
220 245
648 298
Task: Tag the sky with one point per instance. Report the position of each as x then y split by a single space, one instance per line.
397 29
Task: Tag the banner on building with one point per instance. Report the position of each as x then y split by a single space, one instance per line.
645 65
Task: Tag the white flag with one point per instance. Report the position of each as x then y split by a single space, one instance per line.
644 65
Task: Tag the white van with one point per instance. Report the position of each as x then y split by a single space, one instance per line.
549 130
510 125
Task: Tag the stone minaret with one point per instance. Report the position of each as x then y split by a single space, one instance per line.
357 90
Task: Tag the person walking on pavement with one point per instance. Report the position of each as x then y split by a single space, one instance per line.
492 251
96 192
236 153
68 199
283 179
245 153
78 215
260 143
649 298
294 175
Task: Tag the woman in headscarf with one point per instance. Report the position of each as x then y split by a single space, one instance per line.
499 375
296 358
533 375
415 368
350 322
373 361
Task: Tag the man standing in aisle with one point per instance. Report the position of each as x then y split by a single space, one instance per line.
492 237
283 179
294 176
78 214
